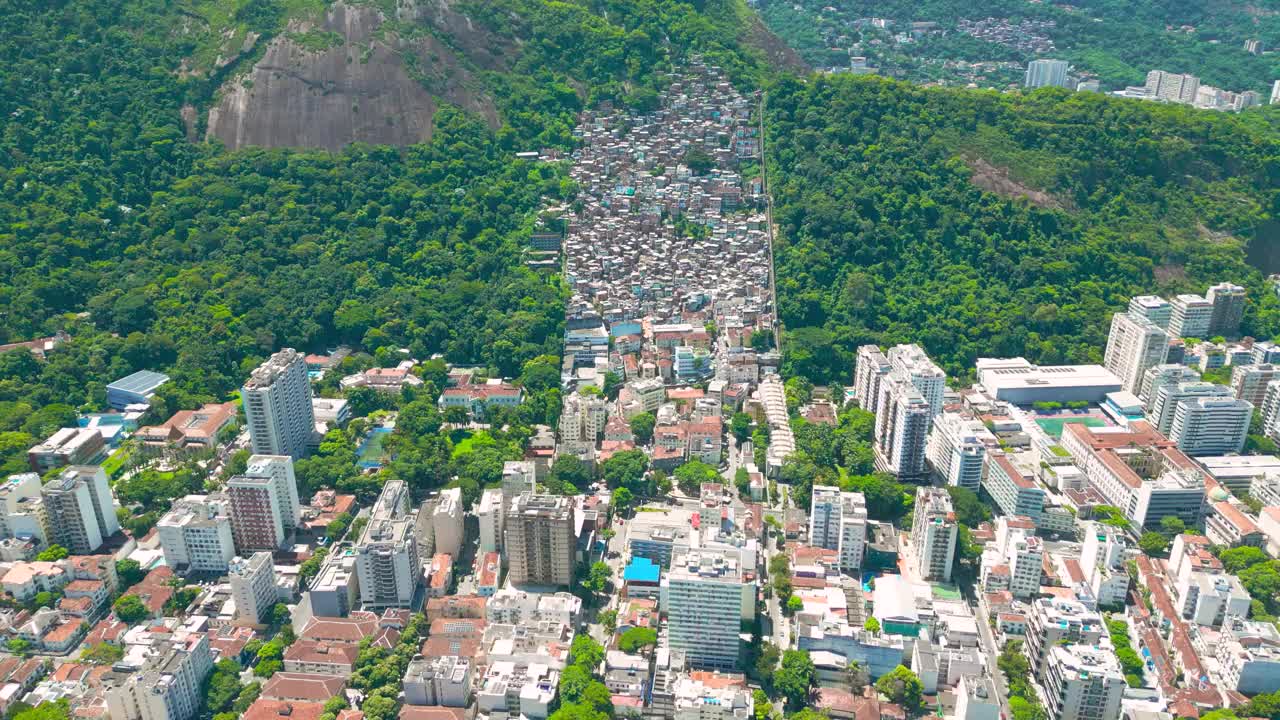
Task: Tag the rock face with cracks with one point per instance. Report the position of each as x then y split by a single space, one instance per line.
351 77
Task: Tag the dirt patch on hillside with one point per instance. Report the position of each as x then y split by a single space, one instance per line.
779 54
1169 273
362 83
995 179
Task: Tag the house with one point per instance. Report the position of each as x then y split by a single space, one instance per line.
319 657
478 399
25 580
191 429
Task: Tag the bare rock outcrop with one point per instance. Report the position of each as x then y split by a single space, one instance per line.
349 77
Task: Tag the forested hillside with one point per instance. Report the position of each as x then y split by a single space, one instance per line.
157 252
886 235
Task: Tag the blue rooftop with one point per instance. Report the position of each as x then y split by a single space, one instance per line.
641 569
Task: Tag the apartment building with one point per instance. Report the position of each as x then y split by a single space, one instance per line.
68 446
838 521
387 561
706 597
446 522
1211 425
80 509
540 541
196 535
444 681
1192 317
1058 621
957 449
1228 301
872 366
518 689
1153 308
277 406
1134 345
1102 558
933 534
167 684
1170 395
1249 382
22 510
253 587
903 418
1158 377
1013 492
1083 682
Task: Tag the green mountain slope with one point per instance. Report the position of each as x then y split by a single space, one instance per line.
153 251
887 234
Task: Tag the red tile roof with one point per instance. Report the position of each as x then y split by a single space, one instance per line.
303 686
264 709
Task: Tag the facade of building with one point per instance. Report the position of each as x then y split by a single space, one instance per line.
196 534
1102 558
1058 621
1171 395
257 520
705 599
81 513
1192 317
1211 425
22 511
872 366
1152 307
135 389
540 542
277 406
1139 471
1133 345
387 561
1083 683
1249 382
444 680
957 449
446 522
1228 302
167 686
1047 73
1013 492
838 521
903 419
933 534
68 446
253 586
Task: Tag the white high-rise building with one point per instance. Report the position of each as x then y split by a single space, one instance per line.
870 369
1211 426
1159 376
279 468
838 521
977 698
1058 621
912 362
956 449
1192 317
253 586
1083 682
706 599
490 512
80 509
196 536
22 512
1172 86
387 561
933 534
167 683
1133 345
1275 92
1047 73
582 421
446 522
1171 395
1152 307
1271 410
277 406
1249 382
1102 560
903 419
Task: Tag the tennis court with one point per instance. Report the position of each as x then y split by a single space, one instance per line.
1053 425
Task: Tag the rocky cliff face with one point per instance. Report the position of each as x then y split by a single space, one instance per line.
352 77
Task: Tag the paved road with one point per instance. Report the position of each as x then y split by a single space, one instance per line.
992 651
